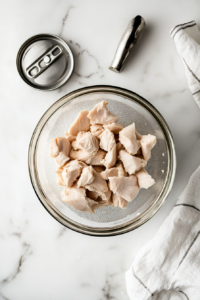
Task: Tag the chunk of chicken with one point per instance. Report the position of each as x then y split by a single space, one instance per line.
144 179
75 145
128 138
96 160
90 159
71 172
70 137
76 197
131 163
96 129
147 143
114 127
82 123
64 150
87 176
59 176
125 187
54 150
93 204
119 147
101 115
138 135
86 142
98 133
121 171
119 201
107 140
113 172
104 203
98 185
81 155
110 158
105 196
82 164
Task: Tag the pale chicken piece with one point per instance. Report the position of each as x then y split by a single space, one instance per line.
119 147
99 169
128 138
59 176
70 137
82 123
64 151
110 158
90 159
83 164
131 163
98 185
92 195
119 201
75 145
104 203
107 140
144 179
105 196
61 159
96 130
98 133
96 127
125 187
81 155
86 142
71 172
114 127
101 115
138 135
93 204
96 160
121 171
147 143
87 176
113 172
76 197
54 150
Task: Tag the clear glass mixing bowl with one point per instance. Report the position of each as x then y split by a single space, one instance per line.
131 108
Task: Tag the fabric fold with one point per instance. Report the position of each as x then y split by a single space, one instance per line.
187 41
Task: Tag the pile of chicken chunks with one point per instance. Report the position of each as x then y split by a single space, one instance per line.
101 163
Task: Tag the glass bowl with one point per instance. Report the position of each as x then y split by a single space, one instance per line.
130 107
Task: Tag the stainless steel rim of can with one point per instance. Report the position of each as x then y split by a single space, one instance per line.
29 79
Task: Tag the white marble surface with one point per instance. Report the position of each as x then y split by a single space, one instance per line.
39 258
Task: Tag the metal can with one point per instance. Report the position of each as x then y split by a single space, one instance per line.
45 62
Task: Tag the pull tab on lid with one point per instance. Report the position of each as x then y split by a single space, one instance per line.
45 62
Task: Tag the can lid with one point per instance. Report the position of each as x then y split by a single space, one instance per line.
45 62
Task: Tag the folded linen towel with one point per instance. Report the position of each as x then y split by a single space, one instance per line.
187 40
168 266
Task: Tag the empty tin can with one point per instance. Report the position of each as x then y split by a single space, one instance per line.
45 62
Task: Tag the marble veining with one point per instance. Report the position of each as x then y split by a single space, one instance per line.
39 258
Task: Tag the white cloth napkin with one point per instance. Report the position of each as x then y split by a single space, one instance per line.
168 266
187 40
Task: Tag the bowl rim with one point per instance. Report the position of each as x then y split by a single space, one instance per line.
155 206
